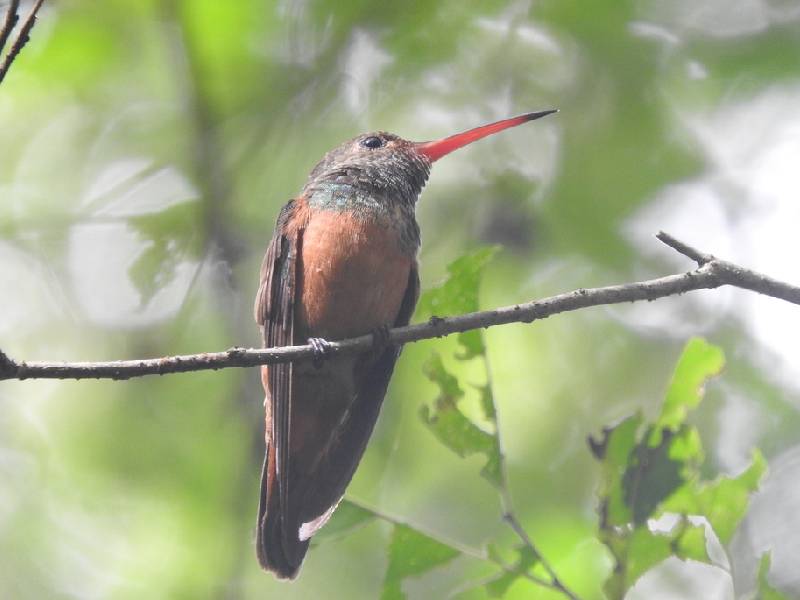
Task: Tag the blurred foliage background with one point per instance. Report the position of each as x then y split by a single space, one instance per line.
145 149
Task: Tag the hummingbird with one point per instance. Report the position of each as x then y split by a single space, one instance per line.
341 263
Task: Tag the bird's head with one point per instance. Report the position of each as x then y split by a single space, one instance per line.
387 164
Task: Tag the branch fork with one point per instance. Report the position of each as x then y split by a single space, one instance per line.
711 273
10 21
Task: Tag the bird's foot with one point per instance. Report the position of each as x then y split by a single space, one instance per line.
321 349
380 338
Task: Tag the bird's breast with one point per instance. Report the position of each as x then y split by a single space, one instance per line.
353 274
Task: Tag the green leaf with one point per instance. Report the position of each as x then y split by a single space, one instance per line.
348 517
690 543
636 551
447 382
722 502
453 428
471 344
458 294
653 473
687 448
636 478
412 553
650 477
645 550
765 590
526 560
487 402
650 470
620 441
614 450
699 362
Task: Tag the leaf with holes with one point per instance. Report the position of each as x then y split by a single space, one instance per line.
723 502
453 428
458 294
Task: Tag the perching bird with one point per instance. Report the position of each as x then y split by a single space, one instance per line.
341 263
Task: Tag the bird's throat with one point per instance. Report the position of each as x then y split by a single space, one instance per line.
391 214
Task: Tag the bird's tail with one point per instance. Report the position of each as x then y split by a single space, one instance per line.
278 546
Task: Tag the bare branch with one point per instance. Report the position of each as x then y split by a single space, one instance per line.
461 549
12 16
711 275
700 258
555 582
737 276
22 37
507 504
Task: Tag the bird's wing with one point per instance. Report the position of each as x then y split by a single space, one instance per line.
333 474
274 311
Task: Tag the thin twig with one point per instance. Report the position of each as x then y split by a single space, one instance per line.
384 516
711 275
461 549
511 519
505 568
525 574
22 37
12 16
701 258
507 501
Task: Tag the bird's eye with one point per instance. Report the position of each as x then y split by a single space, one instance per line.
372 142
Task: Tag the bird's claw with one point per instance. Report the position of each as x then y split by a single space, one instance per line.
321 349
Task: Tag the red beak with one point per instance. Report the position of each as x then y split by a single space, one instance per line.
437 149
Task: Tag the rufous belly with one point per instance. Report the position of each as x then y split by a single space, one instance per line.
352 276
